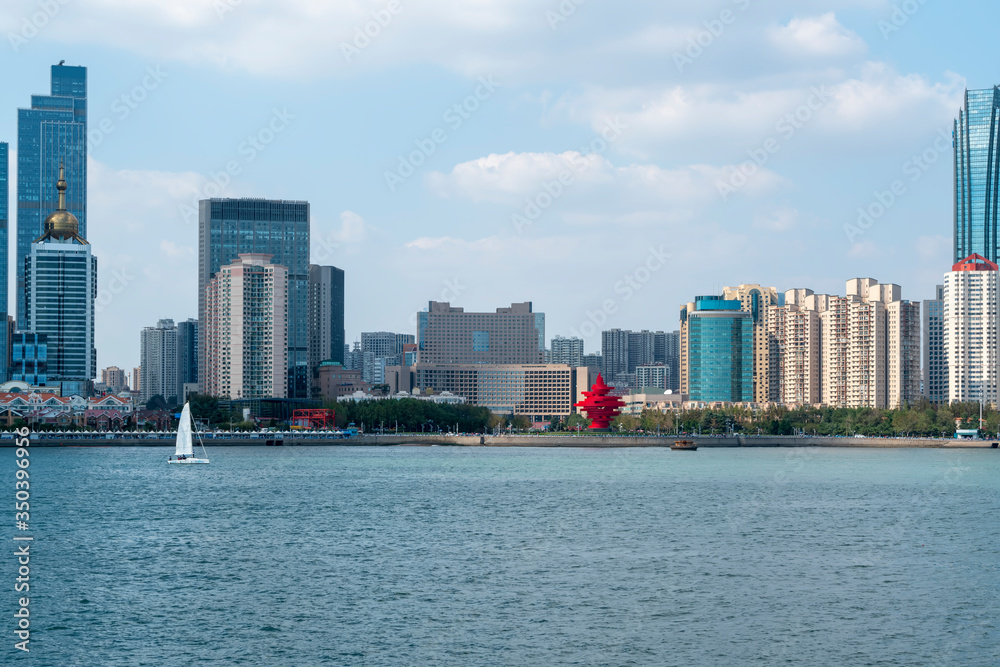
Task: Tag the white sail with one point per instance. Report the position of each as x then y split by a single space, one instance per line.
184 444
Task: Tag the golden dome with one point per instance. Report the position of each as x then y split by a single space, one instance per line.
61 224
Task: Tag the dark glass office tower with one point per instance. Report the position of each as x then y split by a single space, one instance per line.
977 174
51 132
228 227
4 227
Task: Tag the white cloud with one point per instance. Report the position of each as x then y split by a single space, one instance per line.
819 36
512 177
782 220
875 104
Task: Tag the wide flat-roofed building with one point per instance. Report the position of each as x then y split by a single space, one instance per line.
447 335
535 390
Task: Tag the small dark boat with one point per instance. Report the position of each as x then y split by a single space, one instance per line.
684 446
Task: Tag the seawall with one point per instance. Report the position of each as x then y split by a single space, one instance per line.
603 441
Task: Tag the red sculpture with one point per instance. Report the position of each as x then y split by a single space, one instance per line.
599 406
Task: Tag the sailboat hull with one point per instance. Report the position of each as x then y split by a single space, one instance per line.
187 461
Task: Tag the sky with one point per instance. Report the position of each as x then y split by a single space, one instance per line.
607 161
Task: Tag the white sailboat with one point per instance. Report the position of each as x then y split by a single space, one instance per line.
185 442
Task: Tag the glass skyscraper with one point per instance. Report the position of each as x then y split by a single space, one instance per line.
4 275
52 132
230 227
720 351
977 174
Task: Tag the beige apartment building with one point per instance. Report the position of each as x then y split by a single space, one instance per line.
246 338
757 301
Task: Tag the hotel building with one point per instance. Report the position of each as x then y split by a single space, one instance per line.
447 335
717 346
61 287
246 340
533 390
971 321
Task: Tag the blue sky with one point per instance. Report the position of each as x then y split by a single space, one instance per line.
834 99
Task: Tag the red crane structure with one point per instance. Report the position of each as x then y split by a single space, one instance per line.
600 407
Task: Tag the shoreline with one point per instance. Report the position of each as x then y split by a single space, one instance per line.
582 441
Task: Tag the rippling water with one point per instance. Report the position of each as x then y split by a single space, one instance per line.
457 556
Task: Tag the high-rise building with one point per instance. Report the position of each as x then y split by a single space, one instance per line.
568 351
615 353
795 334
229 228
187 354
61 288
718 336
380 343
5 341
933 358
403 340
246 342
29 358
641 349
971 326
51 133
136 378
671 359
757 300
654 377
594 363
447 335
976 139
158 357
114 378
326 316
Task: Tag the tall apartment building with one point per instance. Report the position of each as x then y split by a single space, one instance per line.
976 139
903 352
641 349
447 335
717 337
158 356
326 316
229 228
114 378
794 330
667 352
246 341
136 378
60 279
568 351
654 376
934 362
615 353
971 325
187 354
757 301
594 362
50 134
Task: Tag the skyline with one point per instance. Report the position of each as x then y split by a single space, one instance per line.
867 100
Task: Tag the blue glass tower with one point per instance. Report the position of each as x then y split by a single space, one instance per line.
977 174
4 226
51 132
720 351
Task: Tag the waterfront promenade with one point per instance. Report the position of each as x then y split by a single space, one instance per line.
567 440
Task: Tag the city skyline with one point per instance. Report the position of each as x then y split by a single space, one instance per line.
446 233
